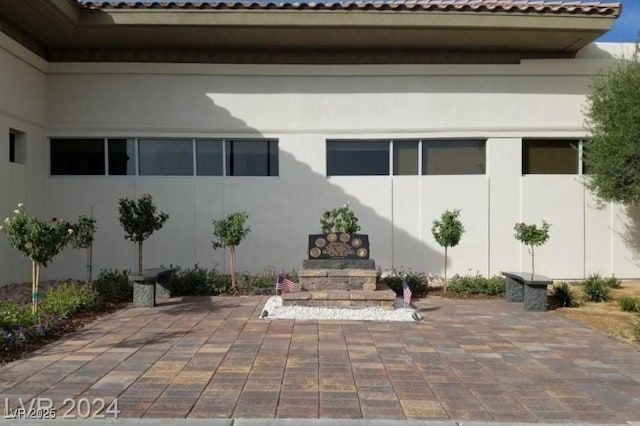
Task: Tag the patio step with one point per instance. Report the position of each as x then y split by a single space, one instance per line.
382 297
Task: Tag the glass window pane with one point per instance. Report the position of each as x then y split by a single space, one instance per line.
356 158
252 158
122 156
12 147
405 157
209 157
77 156
453 157
550 156
166 157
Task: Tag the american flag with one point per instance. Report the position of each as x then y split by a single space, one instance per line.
406 292
287 285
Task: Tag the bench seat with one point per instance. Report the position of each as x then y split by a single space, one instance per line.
527 288
151 286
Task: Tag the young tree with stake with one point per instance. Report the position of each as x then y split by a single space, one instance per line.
229 232
532 236
140 219
447 231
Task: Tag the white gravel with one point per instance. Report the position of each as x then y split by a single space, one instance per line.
274 309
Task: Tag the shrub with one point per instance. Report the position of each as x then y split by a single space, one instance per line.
477 284
612 282
68 299
595 289
417 281
113 286
562 296
199 282
629 304
635 328
261 284
341 219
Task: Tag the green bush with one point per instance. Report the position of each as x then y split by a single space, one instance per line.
477 284
562 296
595 289
113 286
198 281
612 282
14 315
69 298
629 304
417 281
635 328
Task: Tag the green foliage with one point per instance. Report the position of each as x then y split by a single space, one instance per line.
477 284
595 289
140 219
531 235
612 282
562 296
198 281
629 303
448 229
341 219
113 286
231 230
67 299
83 231
417 281
612 153
14 315
36 240
635 328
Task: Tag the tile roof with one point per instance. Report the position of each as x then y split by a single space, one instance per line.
495 6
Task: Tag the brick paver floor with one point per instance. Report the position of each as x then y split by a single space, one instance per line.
468 360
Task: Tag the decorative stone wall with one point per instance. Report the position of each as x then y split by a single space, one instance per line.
338 279
382 297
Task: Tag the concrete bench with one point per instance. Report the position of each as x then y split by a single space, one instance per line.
151 286
528 288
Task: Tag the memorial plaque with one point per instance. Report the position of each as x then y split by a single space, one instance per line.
338 246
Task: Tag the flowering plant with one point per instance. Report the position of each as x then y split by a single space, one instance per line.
340 219
37 240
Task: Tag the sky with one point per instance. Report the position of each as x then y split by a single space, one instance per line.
626 28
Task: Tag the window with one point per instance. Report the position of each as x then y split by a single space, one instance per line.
209 157
439 157
162 157
353 158
252 158
550 156
453 157
165 157
122 156
17 149
405 157
77 157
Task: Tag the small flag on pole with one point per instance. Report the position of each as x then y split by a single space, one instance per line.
287 285
279 279
406 293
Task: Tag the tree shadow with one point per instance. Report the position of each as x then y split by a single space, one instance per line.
630 218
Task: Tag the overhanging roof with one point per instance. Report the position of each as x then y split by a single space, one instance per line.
183 31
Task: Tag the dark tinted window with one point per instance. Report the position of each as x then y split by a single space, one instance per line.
252 158
354 158
545 156
122 156
405 157
209 157
77 156
166 157
12 147
453 157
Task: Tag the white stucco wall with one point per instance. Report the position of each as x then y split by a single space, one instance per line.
302 106
23 85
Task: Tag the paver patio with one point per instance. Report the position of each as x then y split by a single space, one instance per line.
213 357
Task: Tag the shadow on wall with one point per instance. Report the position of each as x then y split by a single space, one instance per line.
282 211
630 217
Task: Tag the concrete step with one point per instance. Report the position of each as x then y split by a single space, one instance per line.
382 297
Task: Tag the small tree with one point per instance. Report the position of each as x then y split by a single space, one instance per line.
229 232
447 231
612 152
82 238
532 236
139 219
39 241
340 219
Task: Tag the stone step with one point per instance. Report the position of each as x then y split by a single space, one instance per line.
382 297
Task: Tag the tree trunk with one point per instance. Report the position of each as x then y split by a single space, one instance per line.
233 266
139 256
37 285
89 262
445 269
533 268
